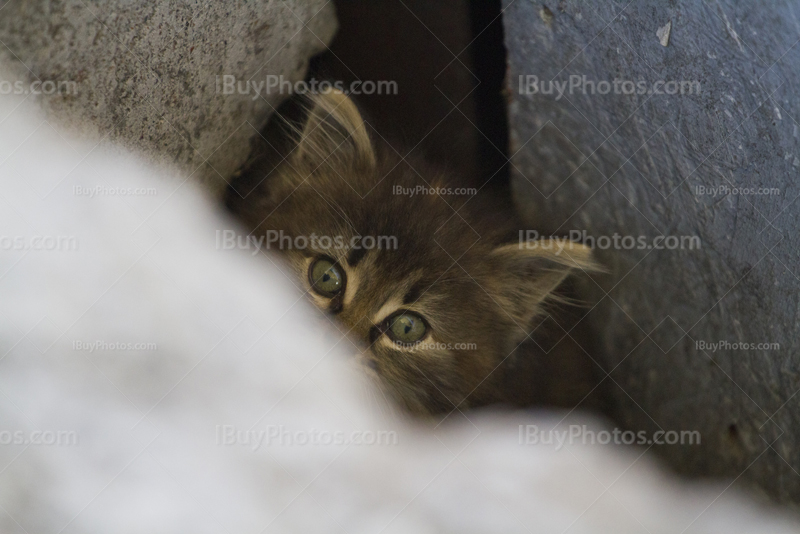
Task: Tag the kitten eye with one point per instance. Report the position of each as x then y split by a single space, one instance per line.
406 328
326 277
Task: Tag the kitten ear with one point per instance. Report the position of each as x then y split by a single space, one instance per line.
334 133
527 274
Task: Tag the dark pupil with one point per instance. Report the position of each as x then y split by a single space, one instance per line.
406 323
408 328
326 277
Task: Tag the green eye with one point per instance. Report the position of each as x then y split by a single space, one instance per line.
327 278
406 328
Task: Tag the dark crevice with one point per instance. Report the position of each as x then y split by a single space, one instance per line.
489 59
413 42
439 54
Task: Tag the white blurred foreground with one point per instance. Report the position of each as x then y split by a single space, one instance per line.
150 382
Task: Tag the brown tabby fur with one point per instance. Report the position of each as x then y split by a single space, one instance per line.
458 262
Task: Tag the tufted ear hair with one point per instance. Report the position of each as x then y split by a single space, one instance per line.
334 133
527 274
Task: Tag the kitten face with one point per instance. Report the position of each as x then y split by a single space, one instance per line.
437 288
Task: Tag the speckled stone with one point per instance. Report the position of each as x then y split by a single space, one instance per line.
696 338
149 75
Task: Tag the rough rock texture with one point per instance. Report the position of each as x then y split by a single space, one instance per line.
636 165
148 75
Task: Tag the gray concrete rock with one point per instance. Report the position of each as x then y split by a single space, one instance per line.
693 338
149 75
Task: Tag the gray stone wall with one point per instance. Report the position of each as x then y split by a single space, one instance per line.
149 75
714 154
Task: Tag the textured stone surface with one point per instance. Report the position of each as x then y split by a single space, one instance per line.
633 164
145 73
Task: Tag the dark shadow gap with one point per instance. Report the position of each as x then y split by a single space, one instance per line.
489 59
448 60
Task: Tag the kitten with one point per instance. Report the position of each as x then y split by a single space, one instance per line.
437 287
